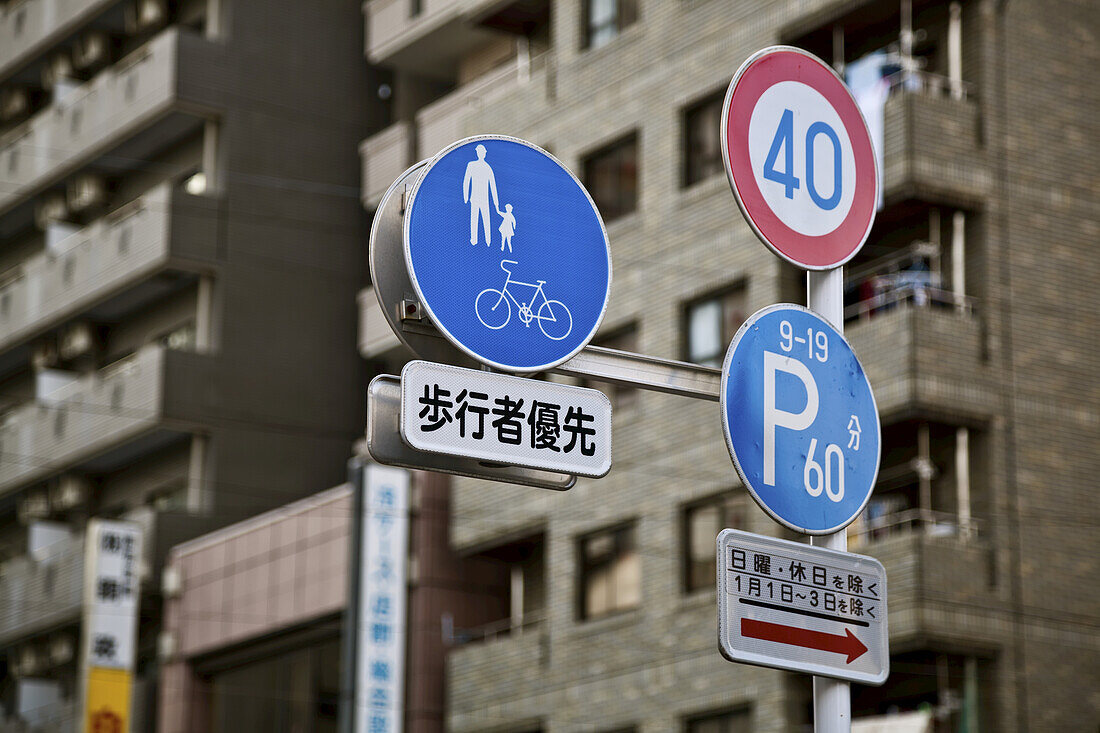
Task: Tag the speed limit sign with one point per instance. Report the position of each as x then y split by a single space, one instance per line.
799 158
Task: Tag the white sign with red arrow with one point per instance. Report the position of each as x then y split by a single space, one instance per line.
802 608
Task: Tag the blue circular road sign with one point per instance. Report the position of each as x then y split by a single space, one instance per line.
507 253
800 420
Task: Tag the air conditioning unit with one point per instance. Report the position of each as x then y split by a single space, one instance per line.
44 355
32 507
58 68
15 103
61 649
86 191
29 662
92 50
77 340
171 582
69 491
146 15
50 208
166 645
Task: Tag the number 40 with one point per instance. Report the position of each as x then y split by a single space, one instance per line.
784 140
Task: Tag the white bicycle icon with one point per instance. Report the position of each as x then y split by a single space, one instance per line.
494 310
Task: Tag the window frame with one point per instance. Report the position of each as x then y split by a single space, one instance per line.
611 150
585 567
722 716
626 14
715 97
732 507
720 295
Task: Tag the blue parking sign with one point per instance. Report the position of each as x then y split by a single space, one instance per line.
800 419
507 253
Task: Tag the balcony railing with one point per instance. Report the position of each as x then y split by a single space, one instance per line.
916 294
29 26
922 357
106 110
62 718
385 156
932 142
102 258
867 530
375 335
915 80
453 637
442 122
38 595
390 26
82 418
515 660
941 582
388 153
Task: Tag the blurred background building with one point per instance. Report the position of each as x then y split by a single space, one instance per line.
183 226
971 306
182 246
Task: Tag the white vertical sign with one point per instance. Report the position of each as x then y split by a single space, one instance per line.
382 623
111 589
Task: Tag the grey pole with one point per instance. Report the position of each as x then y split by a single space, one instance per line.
350 652
832 698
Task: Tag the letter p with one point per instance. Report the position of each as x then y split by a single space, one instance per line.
776 418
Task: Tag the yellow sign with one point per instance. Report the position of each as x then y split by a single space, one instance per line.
107 701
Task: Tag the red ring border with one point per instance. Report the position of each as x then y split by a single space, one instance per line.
761 73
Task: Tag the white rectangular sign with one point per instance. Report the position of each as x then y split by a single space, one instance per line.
505 419
802 608
112 590
382 623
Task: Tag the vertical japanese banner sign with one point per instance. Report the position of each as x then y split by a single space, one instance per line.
381 664
111 593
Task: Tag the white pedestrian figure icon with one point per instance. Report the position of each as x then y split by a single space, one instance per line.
507 227
854 432
478 183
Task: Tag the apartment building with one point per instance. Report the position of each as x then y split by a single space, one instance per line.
181 246
971 306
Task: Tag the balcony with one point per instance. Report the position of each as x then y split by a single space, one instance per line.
375 335
27 28
498 667
133 95
137 397
925 359
938 579
63 718
37 596
387 154
164 229
932 146
442 30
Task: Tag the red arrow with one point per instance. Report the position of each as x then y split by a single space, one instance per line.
848 644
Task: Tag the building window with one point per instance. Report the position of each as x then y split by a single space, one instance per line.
611 176
610 577
296 690
623 339
702 139
731 721
605 19
416 7
700 523
711 323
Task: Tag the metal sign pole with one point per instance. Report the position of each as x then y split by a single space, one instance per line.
832 698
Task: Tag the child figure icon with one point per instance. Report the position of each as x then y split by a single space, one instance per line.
507 227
